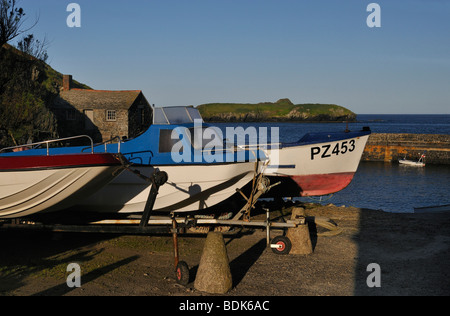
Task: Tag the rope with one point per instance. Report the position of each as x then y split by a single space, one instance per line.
333 229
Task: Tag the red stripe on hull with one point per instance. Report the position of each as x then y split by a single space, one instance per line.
309 185
56 161
322 184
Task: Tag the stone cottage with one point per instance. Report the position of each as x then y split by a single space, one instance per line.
101 114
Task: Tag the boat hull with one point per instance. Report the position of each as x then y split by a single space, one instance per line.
34 184
411 163
315 169
189 188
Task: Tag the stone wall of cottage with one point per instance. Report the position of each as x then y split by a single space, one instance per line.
110 129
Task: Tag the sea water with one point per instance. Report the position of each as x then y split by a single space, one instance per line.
383 186
394 188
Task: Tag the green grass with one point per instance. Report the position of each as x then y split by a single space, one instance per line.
278 110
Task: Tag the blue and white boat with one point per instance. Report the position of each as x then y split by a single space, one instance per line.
199 175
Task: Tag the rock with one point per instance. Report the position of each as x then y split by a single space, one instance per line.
214 275
299 236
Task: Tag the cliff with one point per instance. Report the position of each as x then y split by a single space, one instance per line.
281 111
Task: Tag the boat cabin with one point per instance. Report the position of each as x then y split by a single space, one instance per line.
178 135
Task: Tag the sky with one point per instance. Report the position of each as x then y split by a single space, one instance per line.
191 52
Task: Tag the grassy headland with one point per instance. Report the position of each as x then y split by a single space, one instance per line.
281 111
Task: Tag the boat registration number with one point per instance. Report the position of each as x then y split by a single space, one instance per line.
326 151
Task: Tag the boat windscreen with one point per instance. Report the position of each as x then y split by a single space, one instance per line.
159 117
176 115
194 113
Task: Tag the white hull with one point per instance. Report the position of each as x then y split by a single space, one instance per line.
303 160
25 192
411 163
189 188
319 168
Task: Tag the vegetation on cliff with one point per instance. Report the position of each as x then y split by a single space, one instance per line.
27 88
27 84
281 111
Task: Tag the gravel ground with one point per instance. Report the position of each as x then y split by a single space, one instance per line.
412 252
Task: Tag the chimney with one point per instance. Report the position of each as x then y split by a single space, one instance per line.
67 82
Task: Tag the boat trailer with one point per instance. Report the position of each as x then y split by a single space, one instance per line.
174 224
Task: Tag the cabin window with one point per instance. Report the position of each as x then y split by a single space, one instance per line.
111 115
166 142
200 139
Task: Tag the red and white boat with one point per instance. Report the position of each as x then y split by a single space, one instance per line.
317 164
35 183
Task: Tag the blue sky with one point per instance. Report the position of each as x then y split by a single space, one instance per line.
190 52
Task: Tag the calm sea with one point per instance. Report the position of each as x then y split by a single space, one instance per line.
383 186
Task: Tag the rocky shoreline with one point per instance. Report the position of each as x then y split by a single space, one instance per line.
257 118
281 111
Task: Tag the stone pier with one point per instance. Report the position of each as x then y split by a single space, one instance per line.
392 147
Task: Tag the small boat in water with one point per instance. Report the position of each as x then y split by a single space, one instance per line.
37 183
418 163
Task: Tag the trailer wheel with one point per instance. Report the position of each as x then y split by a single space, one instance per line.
281 245
182 273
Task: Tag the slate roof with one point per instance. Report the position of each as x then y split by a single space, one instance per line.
99 99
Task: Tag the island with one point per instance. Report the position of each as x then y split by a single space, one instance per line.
281 111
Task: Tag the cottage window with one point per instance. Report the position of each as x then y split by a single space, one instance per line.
111 115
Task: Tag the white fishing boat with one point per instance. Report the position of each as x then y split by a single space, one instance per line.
418 163
317 164
192 188
195 182
33 184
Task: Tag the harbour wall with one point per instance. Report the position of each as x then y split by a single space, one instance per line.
392 147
